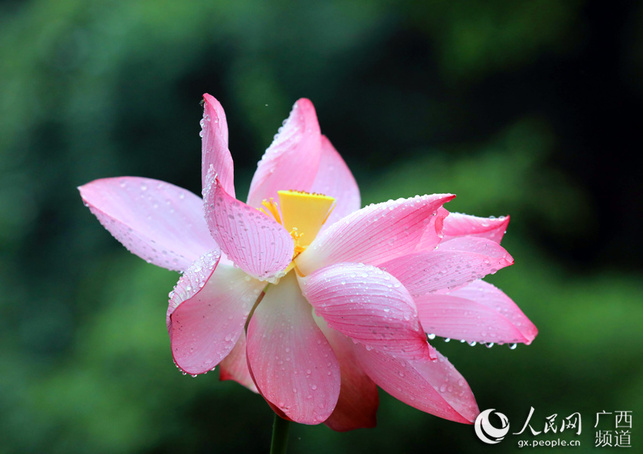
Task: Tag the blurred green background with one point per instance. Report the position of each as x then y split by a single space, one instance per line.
529 108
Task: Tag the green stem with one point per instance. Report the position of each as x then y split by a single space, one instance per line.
279 442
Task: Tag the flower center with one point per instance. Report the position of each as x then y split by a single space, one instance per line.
302 215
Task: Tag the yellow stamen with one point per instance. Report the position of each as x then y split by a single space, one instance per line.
296 236
270 207
303 215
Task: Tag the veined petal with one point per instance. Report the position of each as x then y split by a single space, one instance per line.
454 263
358 397
292 160
458 224
214 144
253 241
374 234
292 363
435 387
368 305
161 223
433 233
207 313
478 245
335 179
235 365
477 312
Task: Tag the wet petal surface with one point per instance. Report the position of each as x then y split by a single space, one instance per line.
433 386
458 224
292 160
255 242
335 179
374 234
478 312
358 396
161 223
368 305
293 365
207 313
214 144
454 263
235 365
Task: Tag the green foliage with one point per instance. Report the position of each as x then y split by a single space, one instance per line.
475 38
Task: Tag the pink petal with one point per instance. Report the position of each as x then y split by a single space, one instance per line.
374 234
208 312
335 179
433 234
435 387
454 263
457 224
292 160
157 221
235 365
293 365
368 305
478 312
214 142
358 397
253 241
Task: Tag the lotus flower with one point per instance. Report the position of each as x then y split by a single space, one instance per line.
302 296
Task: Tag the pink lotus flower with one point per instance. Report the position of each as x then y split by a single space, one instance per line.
303 296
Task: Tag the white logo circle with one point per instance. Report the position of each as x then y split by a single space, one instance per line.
486 431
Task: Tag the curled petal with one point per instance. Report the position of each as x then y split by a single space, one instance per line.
292 160
454 263
358 397
435 387
161 223
368 305
214 144
458 224
335 179
478 245
433 233
235 365
477 312
374 234
253 241
207 313
292 363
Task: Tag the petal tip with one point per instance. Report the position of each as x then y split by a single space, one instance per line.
530 334
304 103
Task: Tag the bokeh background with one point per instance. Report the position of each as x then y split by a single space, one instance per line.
531 109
